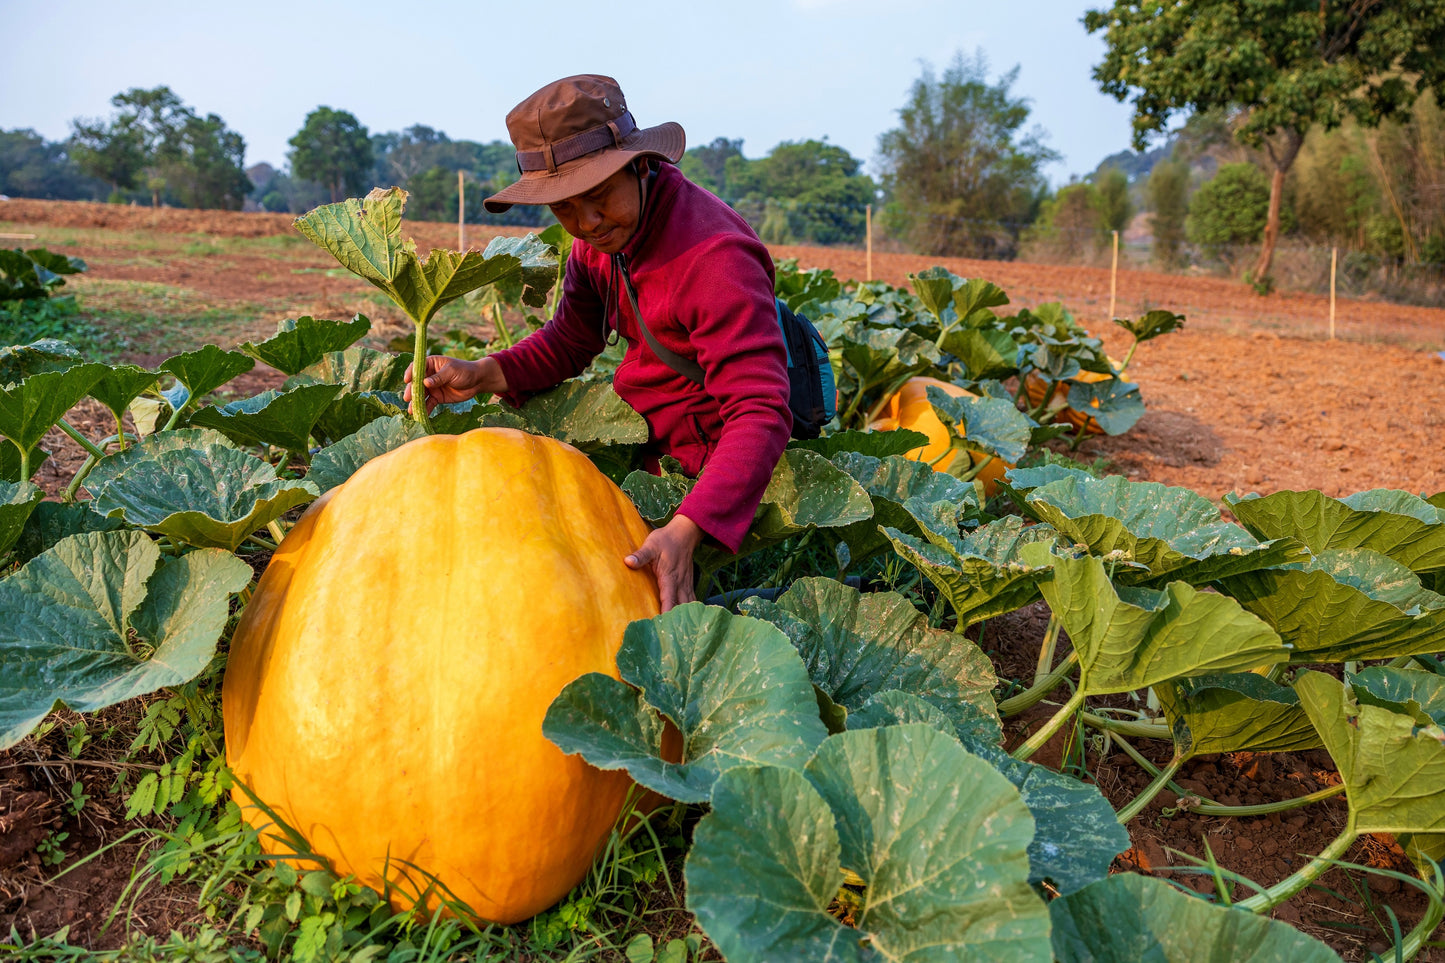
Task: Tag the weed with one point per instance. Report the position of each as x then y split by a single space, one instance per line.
52 853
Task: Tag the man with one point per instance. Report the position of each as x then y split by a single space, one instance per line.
650 242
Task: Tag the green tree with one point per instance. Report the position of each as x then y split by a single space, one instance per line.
1229 209
706 166
31 166
332 148
961 174
1167 191
805 191
202 161
1069 228
1112 199
1287 64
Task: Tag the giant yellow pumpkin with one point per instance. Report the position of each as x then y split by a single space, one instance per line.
388 679
908 407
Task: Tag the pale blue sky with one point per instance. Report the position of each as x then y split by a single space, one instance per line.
763 71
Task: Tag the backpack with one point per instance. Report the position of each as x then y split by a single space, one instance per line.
811 395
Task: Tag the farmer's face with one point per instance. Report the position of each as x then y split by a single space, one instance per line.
605 217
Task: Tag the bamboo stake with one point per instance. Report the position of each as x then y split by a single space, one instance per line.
868 219
1334 259
17 237
461 213
1114 276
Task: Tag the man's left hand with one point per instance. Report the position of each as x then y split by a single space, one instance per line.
669 551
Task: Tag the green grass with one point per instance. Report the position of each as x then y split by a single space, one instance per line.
146 317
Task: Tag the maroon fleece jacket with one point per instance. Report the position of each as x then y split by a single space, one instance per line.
705 284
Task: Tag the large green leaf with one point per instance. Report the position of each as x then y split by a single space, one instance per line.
10 462
17 502
908 496
202 371
20 361
121 385
983 352
1173 533
732 685
280 419
1393 770
983 574
52 521
1420 695
585 414
1130 918
882 356
336 463
658 496
991 425
1151 325
29 408
856 645
1240 712
359 369
1077 833
806 492
1398 524
1342 605
301 342
1115 404
101 618
937 836
876 444
210 497
1130 638
365 236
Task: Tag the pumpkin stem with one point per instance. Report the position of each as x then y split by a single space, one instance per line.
418 376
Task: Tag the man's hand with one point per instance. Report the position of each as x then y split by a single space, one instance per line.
669 551
449 380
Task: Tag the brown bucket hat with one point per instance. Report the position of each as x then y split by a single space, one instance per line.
572 135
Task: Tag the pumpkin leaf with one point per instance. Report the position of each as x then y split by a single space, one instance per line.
984 352
52 521
733 686
365 236
991 425
1169 533
31 407
875 444
211 497
1151 325
1113 404
101 618
20 361
280 419
857 645
1130 638
944 868
657 496
1130 918
17 502
301 342
1420 695
1393 770
908 496
109 467
358 369
333 465
1239 712
585 414
1344 605
982 574
10 461
121 385
885 355
203 371
1403 526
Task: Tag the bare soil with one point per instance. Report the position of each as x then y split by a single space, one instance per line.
1250 396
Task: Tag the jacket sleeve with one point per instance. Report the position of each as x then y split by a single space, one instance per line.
560 349
726 303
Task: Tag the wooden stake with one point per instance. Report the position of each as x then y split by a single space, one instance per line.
17 237
868 221
1114 276
461 213
1334 259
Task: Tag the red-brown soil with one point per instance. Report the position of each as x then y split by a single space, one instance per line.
1249 396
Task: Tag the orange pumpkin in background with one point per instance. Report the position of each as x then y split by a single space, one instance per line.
387 682
1036 385
908 407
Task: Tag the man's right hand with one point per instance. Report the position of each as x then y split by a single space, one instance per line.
449 380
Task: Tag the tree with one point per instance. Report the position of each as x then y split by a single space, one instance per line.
202 163
1229 209
1112 200
332 148
1287 64
706 166
31 166
961 174
1167 191
804 191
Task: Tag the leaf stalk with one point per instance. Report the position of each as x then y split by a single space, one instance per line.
1036 693
1036 741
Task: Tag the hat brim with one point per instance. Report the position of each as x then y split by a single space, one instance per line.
666 141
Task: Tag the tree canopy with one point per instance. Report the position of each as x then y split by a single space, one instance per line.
332 148
1286 65
962 174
